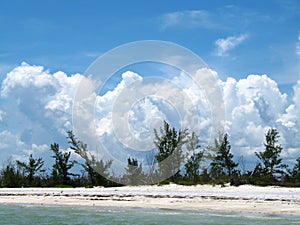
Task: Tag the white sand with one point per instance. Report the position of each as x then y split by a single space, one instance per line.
270 200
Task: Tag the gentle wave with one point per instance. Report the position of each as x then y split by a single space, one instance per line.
67 215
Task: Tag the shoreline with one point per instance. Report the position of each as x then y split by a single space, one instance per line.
242 199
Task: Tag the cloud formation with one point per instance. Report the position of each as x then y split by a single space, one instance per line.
188 19
36 110
36 107
253 105
227 44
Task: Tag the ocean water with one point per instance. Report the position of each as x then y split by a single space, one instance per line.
37 214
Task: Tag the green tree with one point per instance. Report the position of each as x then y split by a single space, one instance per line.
31 168
295 173
270 161
192 166
170 150
62 165
97 169
11 176
134 172
223 162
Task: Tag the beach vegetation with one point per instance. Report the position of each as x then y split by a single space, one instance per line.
97 170
194 158
293 175
184 162
134 174
61 168
31 169
11 176
223 165
170 143
270 168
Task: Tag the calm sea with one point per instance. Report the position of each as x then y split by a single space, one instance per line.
33 214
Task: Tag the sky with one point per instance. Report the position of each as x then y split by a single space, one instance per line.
252 49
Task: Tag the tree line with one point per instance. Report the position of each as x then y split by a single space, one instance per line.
179 159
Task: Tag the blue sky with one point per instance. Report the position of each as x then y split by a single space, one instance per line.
58 39
69 35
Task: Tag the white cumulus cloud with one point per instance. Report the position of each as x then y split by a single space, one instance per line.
36 110
253 105
36 107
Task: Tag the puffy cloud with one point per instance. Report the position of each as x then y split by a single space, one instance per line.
36 110
36 106
138 105
255 104
124 118
229 43
10 145
289 122
106 102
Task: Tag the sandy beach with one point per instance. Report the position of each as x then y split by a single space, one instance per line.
252 199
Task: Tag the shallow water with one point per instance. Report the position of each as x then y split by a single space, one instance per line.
37 214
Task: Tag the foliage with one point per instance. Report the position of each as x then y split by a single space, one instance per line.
169 144
293 177
192 166
97 170
62 165
270 166
296 171
134 172
31 168
223 165
11 176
